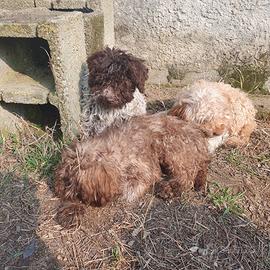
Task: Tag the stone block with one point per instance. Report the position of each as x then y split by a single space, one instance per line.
94 31
82 5
108 11
16 4
47 61
158 76
94 4
43 3
68 4
9 123
191 77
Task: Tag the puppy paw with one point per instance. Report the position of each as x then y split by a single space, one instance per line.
167 189
69 214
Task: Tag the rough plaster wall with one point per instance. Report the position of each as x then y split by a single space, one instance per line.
192 35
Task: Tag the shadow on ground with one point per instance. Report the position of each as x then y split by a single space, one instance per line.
151 234
178 236
21 248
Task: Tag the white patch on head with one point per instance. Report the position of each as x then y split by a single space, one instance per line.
215 142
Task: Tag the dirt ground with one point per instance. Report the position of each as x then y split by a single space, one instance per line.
226 229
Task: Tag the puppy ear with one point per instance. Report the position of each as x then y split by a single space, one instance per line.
97 63
219 129
138 73
98 185
62 172
212 129
179 111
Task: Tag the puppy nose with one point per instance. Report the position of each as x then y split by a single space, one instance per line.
108 91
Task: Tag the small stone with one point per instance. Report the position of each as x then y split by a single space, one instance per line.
136 232
131 243
145 234
203 251
194 249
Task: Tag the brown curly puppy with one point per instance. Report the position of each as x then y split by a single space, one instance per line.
112 90
128 160
114 75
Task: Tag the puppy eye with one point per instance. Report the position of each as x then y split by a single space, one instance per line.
110 70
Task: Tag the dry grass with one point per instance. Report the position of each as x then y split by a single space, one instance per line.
193 233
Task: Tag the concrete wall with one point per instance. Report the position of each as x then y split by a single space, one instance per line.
192 35
108 11
99 25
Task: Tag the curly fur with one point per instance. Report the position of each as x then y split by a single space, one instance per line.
128 160
112 89
217 107
96 118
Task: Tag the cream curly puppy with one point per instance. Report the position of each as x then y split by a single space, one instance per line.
217 107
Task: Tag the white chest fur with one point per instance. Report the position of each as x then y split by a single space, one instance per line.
95 118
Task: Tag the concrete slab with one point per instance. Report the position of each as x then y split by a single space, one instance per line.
94 31
68 4
9 123
62 34
16 4
43 3
18 88
57 4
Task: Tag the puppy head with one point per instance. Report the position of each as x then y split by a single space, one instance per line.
85 178
114 75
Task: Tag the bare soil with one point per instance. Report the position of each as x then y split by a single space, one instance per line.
187 233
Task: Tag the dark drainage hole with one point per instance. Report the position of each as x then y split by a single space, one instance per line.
83 10
43 116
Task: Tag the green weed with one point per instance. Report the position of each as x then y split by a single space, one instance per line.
224 199
116 253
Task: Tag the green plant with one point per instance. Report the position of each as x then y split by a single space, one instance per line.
116 253
239 161
248 74
2 141
42 157
234 157
224 199
15 142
